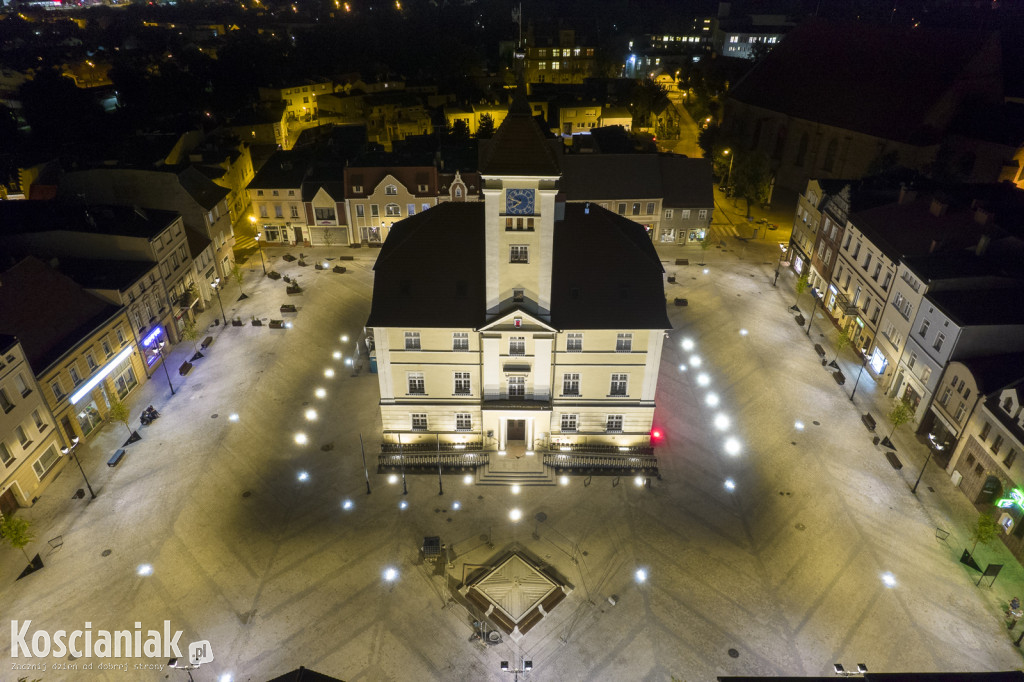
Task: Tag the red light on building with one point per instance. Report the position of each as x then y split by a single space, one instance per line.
656 435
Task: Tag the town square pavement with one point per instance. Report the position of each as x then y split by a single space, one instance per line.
252 548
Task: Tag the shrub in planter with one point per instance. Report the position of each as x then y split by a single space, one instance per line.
274 275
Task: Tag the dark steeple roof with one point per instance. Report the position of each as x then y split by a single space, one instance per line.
519 146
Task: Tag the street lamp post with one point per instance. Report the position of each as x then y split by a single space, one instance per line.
71 451
863 363
728 179
216 288
935 447
163 361
188 668
782 247
401 460
817 299
252 219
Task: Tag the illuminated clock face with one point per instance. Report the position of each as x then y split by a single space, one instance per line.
519 202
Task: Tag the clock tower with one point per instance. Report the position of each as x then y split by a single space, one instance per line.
520 173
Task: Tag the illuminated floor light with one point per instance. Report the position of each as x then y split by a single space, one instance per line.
144 569
705 271
320 393
301 438
730 484
688 344
303 476
703 379
390 574
467 479
799 426
515 489
347 504
326 265
682 368
564 480
336 355
639 481
233 417
344 338
403 505
393 479
711 400
743 332
889 579
641 575
721 422
694 361
515 514
348 361
329 373
732 446
311 415
226 677
287 325
456 506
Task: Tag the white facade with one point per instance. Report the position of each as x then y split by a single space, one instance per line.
865 275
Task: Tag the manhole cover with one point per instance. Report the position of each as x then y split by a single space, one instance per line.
107 552
792 442
214 415
541 517
247 493
800 526
483 538
816 423
586 553
733 653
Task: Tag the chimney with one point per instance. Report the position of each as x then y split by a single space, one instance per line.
982 246
981 216
938 207
907 195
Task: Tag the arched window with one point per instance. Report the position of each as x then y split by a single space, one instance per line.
393 210
391 190
801 152
458 192
830 155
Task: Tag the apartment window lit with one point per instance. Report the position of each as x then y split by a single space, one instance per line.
516 387
571 384
360 211
519 253
574 342
569 423
460 340
462 383
393 211
619 384
321 213
410 209
463 421
623 343
517 345
415 383
419 422
614 423
412 340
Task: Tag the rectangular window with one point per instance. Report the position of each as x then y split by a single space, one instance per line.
278 211
412 340
878 271
516 387
393 211
885 284
120 336
517 345
985 429
462 383
684 214
415 383
938 341
374 211
263 211
518 295
1010 457
867 262
411 209
856 251
622 209
75 378
58 390
650 208
702 214
463 421
624 343
944 400
960 411
574 343
569 423
22 436
320 213
360 211
460 341
849 238
106 348
38 420
926 374
668 214
519 253
5 454
5 402
124 378
45 462
996 444
923 331
571 384
23 388
419 422
614 423
619 385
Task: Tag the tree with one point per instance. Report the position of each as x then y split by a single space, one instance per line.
190 332
17 533
709 139
119 412
985 531
801 287
646 98
900 414
705 244
328 237
458 132
751 177
843 341
238 275
485 127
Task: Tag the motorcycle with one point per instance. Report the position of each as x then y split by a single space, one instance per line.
149 415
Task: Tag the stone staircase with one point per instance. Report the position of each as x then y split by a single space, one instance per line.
510 470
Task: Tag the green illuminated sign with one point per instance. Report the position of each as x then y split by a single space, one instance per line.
1016 498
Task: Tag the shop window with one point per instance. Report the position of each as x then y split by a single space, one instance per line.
124 378
45 462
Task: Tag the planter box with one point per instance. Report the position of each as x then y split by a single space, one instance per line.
681 302
185 368
355 245
274 275
277 324
288 257
289 308
346 257
294 289
339 269
237 322
800 320
303 264
316 267
257 323
682 261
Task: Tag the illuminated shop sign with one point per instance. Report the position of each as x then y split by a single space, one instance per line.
1015 499
878 362
100 375
152 336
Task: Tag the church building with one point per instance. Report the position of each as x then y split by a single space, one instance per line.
521 325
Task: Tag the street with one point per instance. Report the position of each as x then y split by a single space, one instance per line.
765 555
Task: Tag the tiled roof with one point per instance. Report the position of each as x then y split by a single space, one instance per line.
47 311
518 148
283 170
47 216
876 79
981 307
114 275
202 189
993 373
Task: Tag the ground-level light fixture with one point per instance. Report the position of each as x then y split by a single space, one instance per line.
694 361
144 569
403 505
888 579
303 476
467 479
730 484
515 514
344 338
233 417
225 677
732 446
799 426
392 479
320 393
743 332
711 399
347 504
301 438
682 368
456 505
564 480
311 415
336 355
329 373
688 344
515 488
639 481
721 421
641 575
348 361
703 379
390 574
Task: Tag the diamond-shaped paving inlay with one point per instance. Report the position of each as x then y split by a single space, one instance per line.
515 587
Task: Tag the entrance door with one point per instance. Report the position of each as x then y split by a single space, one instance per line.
8 503
516 429
298 235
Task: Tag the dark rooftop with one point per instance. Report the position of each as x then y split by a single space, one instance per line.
518 147
981 307
995 372
202 189
114 275
285 169
45 216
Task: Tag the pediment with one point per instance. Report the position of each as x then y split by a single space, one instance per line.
527 322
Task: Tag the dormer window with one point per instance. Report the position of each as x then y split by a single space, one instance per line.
357 189
421 188
1008 406
458 192
390 190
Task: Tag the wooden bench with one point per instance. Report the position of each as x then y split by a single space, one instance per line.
346 257
893 460
339 269
682 261
819 350
839 377
206 342
185 368
116 458
869 421
682 302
